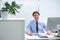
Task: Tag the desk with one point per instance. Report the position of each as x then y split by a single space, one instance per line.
38 38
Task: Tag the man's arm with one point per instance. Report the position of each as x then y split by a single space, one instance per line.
28 30
44 27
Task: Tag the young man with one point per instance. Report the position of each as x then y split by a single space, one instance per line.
35 26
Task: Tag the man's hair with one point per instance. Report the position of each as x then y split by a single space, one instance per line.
36 12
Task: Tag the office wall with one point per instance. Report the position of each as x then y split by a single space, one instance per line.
0 8
47 8
0 4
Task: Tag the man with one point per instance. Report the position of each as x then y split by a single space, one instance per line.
35 26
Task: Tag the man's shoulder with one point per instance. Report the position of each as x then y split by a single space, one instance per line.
42 23
32 21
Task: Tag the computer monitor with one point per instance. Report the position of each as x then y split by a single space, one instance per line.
53 23
12 29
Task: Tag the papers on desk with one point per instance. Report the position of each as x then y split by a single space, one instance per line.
50 37
42 36
36 36
39 36
31 37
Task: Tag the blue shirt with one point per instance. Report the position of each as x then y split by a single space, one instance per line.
32 27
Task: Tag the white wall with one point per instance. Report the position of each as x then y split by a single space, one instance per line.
47 8
0 4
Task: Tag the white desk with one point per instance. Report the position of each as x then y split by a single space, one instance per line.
50 37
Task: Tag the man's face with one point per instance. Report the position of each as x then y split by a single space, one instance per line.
36 16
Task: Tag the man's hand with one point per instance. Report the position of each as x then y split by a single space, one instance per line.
48 33
29 33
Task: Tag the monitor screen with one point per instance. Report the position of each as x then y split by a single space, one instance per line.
53 23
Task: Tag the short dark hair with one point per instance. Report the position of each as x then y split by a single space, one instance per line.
36 12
